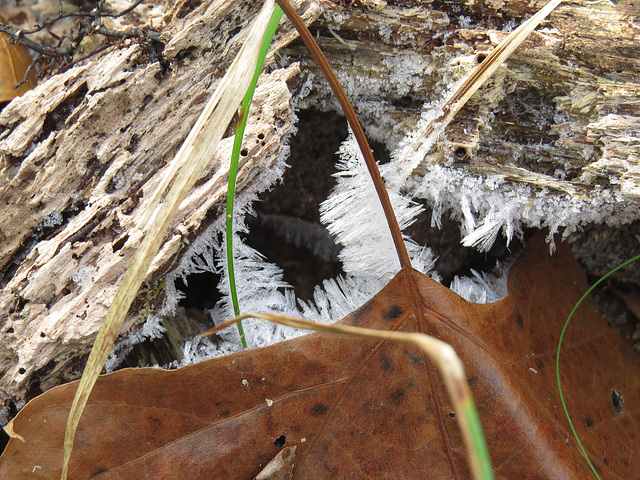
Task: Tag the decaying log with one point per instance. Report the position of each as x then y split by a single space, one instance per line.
562 113
82 153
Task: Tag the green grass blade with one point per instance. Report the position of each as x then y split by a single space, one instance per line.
480 451
235 156
564 329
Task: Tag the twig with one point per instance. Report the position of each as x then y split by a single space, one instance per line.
27 73
88 29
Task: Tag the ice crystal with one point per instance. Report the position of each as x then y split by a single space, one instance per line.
486 206
84 276
151 329
483 287
354 215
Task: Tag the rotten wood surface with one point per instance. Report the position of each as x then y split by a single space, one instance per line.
81 154
563 112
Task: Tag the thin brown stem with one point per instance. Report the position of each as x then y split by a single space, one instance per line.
350 114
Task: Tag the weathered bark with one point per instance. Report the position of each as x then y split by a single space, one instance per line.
566 100
82 153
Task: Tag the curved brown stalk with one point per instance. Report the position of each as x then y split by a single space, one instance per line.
354 123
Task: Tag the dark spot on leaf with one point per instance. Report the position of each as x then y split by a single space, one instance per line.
415 359
319 409
22 371
397 395
358 315
394 312
244 152
589 422
387 366
10 330
471 381
43 335
616 399
98 471
156 423
480 57
261 136
452 415
519 320
287 452
280 441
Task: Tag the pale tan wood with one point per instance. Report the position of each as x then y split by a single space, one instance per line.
81 155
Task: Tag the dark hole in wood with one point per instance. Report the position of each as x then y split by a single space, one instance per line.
280 441
120 243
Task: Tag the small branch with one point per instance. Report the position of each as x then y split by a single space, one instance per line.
17 36
124 12
27 73
87 28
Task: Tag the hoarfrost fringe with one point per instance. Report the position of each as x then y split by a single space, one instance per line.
486 206
353 214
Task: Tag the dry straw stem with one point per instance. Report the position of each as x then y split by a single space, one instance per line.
182 174
478 76
440 353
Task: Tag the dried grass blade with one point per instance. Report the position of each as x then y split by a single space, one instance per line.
185 169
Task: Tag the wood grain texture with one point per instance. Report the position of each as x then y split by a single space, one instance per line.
80 157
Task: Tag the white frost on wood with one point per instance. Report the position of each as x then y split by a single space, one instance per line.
486 206
150 330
